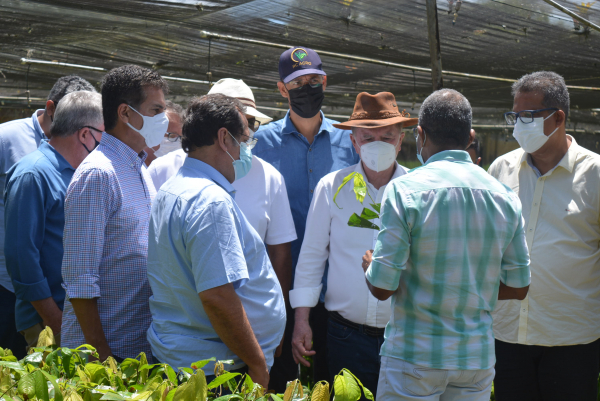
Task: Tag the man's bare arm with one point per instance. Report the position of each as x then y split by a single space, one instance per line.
88 316
50 313
377 292
302 337
281 259
228 318
507 292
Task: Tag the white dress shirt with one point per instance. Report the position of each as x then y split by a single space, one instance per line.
328 236
261 195
562 212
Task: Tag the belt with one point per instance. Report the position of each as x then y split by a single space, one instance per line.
363 328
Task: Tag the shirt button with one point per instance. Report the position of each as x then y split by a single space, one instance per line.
310 149
535 204
310 171
531 229
311 191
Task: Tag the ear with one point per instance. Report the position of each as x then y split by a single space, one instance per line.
283 89
560 118
402 134
123 113
471 138
82 134
324 82
223 139
420 132
50 108
355 144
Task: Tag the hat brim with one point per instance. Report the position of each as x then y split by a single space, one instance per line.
407 122
264 119
299 73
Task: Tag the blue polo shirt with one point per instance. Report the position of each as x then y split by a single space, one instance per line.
17 139
199 239
302 164
35 218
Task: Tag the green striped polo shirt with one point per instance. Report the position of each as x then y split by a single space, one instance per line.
450 233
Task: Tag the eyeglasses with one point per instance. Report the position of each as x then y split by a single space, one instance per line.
173 137
526 116
251 143
253 124
314 82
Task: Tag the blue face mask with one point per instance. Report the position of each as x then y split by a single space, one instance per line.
419 155
243 165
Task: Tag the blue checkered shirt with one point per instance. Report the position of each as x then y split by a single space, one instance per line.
107 211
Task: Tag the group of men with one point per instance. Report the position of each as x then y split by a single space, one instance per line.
134 226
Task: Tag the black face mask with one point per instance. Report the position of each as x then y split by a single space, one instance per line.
306 101
95 145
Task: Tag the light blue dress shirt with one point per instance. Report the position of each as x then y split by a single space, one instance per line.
303 164
199 239
17 139
35 218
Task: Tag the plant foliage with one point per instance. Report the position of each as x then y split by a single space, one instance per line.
361 191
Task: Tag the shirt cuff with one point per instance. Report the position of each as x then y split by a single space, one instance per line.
382 276
516 278
32 291
281 239
305 297
83 287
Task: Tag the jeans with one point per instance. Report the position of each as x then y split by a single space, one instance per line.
535 373
402 380
354 350
9 337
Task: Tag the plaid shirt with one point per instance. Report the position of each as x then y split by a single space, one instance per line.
449 233
107 211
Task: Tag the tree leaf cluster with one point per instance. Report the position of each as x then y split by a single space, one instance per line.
360 191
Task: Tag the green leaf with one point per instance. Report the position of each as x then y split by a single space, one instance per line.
12 365
194 390
360 187
171 374
171 395
222 379
27 385
202 363
73 396
248 383
68 362
229 397
368 393
52 379
97 373
357 221
344 182
368 214
275 397
376 207
34 358
346 388
112 396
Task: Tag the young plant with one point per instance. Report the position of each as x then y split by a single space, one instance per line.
361 191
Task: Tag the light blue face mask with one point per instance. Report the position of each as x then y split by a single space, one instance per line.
419 155
243 165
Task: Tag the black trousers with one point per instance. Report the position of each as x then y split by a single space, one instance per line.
284 368
536 373
9 336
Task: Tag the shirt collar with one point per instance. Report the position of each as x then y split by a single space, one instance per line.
451 155
57 160
289 127
360 169
36 124
128 154
212 173
567 162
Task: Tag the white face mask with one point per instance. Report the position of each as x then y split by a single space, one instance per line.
377 155
167 146
153 129
531 136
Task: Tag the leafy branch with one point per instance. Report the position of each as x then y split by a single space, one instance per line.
361 191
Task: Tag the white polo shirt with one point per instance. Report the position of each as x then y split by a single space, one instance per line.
562 225
261 195
328 237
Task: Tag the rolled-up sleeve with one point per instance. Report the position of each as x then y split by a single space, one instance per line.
88 205
392 248
25 226
314 252
213 243
515 260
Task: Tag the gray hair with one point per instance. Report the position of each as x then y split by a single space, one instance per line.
175 108
446 118
551 85
76 110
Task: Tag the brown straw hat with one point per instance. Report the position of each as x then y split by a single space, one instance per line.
380 110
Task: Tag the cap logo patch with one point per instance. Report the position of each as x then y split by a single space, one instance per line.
298 55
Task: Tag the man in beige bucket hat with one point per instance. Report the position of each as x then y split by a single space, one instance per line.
356 319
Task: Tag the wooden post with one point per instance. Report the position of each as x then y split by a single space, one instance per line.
434 45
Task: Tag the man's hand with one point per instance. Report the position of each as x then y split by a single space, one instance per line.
367 259
302 337
50 313
279 348
88 317
260 376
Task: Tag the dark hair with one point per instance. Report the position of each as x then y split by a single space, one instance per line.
175 109
446 116
206 115
68 84
127 84
551 85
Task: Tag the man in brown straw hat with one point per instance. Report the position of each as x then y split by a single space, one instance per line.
357 319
